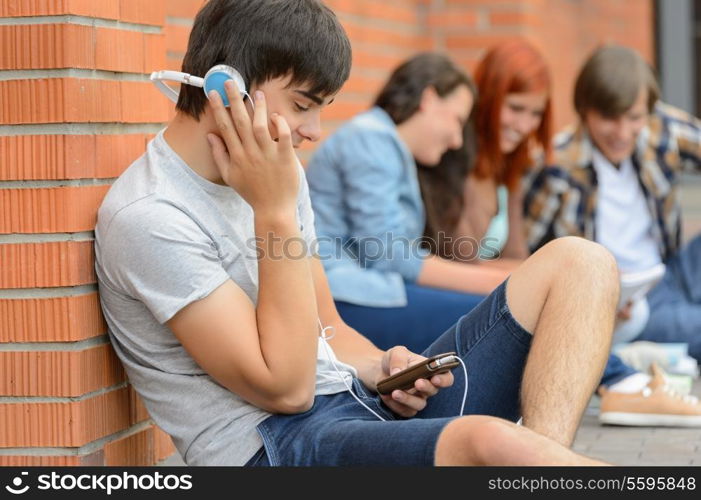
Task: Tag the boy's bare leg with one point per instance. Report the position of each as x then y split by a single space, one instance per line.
483 440
566 294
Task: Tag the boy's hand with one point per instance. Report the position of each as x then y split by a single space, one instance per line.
409 403
261 169
625 313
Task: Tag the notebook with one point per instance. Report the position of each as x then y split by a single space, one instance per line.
636 285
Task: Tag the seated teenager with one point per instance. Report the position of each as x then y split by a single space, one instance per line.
512 135
216 310
614 180
370 216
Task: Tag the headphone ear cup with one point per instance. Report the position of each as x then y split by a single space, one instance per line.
215 78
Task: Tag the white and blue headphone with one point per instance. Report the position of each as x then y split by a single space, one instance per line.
213 80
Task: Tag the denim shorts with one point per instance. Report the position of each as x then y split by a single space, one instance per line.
337 430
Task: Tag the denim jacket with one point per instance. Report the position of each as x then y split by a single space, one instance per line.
368 210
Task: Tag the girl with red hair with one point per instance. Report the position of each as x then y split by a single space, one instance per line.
513 124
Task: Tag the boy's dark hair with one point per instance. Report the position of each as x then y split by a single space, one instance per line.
266 39
611 80
401 95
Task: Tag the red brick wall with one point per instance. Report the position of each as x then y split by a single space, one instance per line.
383 33
569 30
76 107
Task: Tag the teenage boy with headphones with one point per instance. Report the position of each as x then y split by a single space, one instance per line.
214 305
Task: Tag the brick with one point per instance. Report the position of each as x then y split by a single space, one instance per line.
60 100
48 157
114 153
105 9
151 12
43 265
137 409
143 104
176 37
60 319
453 41
578 29
49 46
386 37
71 424
513 18
369 59
32 101
59 373
138 11
46 46
154 53
363 85
467 62
50 210
174 63
403 12
186 9
163 444
344 110
498 4
91 460
135 450
119 50
452 19
34 461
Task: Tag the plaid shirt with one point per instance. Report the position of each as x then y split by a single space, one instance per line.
561 199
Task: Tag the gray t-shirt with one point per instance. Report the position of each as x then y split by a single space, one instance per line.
166 237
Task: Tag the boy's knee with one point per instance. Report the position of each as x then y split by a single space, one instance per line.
578 249
473 440
586 258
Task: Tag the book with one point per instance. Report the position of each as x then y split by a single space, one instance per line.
636 285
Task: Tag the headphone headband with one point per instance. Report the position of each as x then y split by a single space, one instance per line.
213 80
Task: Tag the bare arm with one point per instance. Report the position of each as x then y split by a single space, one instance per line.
516 246
349 345
467 250
468 274
266 354
502 263
372 363
479 207
461 277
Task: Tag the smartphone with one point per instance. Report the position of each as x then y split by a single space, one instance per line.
403 380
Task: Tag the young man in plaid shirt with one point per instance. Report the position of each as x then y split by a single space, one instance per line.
615 181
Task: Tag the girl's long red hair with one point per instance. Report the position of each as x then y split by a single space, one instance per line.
511 67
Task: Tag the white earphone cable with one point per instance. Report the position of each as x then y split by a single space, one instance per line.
325 338
330 356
